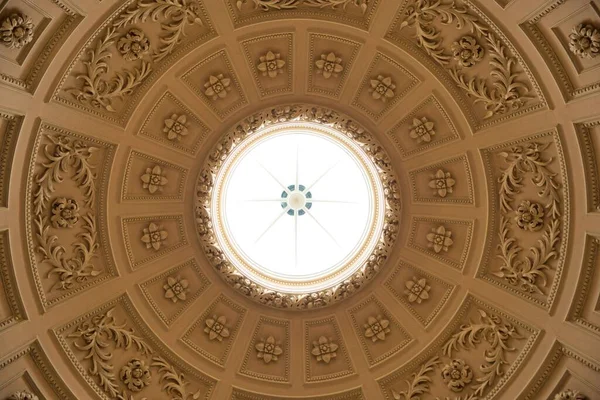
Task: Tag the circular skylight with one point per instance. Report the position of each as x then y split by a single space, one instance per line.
298 206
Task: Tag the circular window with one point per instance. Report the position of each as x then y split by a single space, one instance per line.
296 211
298 207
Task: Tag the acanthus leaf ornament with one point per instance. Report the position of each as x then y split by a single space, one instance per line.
528 273
75 267
570 394
269 5
97 89
94 337
22 395
506 92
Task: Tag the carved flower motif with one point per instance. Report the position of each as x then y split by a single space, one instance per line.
23 395
176 127
324 350
271 64
215 328
570 394
154 179
16 31
217 86
457 375
442 183
439 239
530 216
176 288
585 41
376 328
133 45
422 130
382 88
136 375
65 213
467 52
417 290
268 350
154 236
329 65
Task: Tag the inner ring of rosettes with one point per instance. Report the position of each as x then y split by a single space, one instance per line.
335 284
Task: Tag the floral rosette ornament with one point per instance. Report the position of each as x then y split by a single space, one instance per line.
16 31
467 52
133 45
457 374
530 216
584 41
269 350
65 213
136 375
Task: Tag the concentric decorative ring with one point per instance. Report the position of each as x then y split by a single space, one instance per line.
228 264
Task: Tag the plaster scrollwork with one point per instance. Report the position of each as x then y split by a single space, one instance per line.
570 394
499 337
100 85
505 90
100 336
23 395
244 129
273 5
76 267
16 31
528 273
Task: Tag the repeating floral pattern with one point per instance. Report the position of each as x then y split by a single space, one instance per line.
442 183
136 375
376 328
154 179
440 239
324 349
217 86
417 290
584 41
133 45
176 127
422 130
154 236
570 394
16 31
65 213
216 329
530 216
467 52
329 65
457 374
23 395
176 289
271 64
498 337
269 5
382 88
268 350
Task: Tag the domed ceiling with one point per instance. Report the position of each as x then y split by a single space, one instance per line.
478 120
